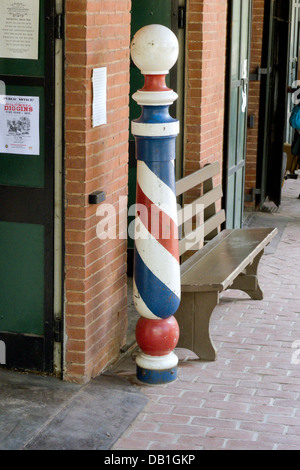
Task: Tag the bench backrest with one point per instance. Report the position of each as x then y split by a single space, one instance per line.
203 210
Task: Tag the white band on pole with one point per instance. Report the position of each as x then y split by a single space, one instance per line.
155 130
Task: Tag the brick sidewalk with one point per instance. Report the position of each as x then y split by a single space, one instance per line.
250 397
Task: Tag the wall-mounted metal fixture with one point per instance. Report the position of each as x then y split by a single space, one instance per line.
256 77
251 121
97 197
252 197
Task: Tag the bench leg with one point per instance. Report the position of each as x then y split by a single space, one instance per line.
193 318
248 281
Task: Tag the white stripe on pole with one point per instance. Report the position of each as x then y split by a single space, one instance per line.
155 98
159 260
157 191
155 130
157 362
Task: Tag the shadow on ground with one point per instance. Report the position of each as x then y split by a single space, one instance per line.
41 413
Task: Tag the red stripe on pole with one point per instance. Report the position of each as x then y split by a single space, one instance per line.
158 223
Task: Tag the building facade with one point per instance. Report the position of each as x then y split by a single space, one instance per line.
64 289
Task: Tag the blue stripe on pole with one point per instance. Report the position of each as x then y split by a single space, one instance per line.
155 149
155 115
156 377
160 300
165 172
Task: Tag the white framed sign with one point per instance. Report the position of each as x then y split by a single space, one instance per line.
19 125
19 29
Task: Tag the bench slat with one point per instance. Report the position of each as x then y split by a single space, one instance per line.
197 178
224 259
189 210
201 232
214 222
196 237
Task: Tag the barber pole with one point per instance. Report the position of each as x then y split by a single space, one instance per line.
156 287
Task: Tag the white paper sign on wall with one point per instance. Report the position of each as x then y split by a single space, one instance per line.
99 96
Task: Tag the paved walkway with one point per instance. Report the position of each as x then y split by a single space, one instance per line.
250 397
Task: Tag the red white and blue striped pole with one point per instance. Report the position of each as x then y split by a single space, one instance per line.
156 287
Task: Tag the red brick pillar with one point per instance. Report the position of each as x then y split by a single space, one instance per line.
97 35
205 79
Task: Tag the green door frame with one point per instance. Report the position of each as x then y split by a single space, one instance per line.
236 122
32 205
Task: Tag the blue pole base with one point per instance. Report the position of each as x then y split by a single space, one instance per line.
156 377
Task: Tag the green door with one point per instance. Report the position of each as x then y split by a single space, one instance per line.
165 12
240 16
27 189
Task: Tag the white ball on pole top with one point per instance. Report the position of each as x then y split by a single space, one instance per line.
154 49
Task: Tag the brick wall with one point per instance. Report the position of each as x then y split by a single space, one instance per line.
205 82
254 98
97 35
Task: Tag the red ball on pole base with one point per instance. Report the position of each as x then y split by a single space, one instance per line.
157 337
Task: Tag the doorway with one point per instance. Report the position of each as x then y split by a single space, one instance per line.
274 100
27 198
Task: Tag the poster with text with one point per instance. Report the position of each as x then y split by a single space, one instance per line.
19 29
19 125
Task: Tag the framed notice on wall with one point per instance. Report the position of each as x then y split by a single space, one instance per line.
19 29
19 125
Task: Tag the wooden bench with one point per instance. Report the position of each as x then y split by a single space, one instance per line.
227 259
